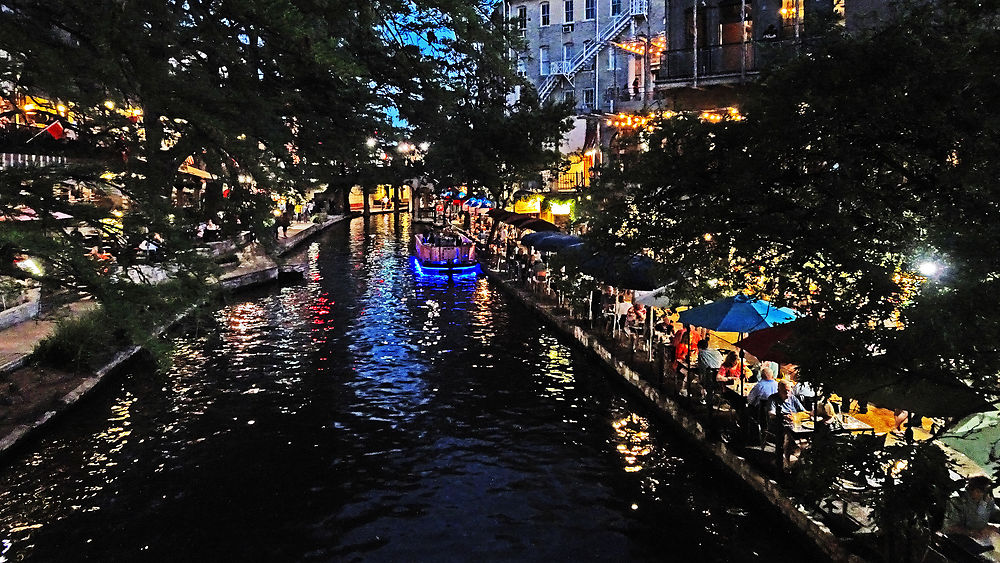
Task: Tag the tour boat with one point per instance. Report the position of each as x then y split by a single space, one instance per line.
445 252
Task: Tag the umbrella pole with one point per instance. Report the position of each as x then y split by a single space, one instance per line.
687 360
649 334
741 365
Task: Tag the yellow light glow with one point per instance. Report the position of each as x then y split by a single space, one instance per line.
564 208
109 104
29 108
61 109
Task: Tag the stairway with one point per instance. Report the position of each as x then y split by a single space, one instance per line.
559 70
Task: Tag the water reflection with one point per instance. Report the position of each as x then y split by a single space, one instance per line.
369 413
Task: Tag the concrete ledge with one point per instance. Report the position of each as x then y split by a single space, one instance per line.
670 410
22 312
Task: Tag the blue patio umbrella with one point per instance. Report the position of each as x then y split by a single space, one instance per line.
739 313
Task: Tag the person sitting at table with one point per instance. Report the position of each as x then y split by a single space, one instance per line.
729 371
635 320
969 512
783 407
764 388
680 345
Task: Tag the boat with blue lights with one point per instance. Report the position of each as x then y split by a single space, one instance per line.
445 252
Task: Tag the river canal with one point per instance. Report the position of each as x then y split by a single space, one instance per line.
371 414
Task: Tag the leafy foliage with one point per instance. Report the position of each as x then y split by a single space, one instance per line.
269 97
852 168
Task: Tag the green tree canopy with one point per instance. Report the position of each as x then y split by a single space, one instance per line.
269 97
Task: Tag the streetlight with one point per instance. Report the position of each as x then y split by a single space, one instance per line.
929 268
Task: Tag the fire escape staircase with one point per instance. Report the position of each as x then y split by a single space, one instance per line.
560 70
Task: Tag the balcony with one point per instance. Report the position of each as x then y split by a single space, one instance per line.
719 64
560 67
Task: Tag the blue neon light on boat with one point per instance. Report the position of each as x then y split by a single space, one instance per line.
468 270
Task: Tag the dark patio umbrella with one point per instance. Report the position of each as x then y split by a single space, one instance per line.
498 213
532 239
516 219
915 393
627 272
538 225
763 344
739 313
556 242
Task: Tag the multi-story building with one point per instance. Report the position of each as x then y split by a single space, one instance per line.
716 46
602 54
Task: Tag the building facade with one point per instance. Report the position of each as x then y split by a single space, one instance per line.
601 54
717 46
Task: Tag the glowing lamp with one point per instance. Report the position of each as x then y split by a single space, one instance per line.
928 268
563 208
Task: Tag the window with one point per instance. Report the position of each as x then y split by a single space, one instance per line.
588 97
590 59
568 11
613 63
543 61
544 13
522 68
569 96
569 52
590 10
616 7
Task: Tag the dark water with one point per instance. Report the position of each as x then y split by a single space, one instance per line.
371 414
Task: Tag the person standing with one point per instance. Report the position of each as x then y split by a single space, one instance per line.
709 362
284 221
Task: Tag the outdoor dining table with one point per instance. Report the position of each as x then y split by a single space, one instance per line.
803 425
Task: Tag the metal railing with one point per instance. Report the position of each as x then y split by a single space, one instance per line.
560 70
12 160
733 60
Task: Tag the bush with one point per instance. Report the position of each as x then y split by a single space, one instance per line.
82 343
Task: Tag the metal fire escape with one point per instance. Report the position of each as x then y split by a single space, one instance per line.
560 70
